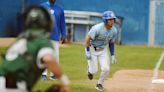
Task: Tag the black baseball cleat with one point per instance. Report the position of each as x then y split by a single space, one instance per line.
99 87
90 76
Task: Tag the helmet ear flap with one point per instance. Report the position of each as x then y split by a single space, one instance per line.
105 21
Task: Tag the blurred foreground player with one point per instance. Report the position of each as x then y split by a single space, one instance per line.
27 58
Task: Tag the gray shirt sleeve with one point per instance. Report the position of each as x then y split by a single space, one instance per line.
92 33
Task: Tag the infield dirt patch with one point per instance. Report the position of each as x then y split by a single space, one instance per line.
4 42
133 81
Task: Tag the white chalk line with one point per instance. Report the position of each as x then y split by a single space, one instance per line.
156 71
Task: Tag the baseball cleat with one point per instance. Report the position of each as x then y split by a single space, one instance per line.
44 77
99 87
53 78
90 76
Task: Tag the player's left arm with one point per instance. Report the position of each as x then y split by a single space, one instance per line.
112 42
63 26
112 46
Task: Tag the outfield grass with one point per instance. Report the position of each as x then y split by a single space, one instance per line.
74 64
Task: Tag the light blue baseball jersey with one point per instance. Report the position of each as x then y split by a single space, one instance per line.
100 36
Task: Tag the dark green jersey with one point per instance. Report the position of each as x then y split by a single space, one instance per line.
23 59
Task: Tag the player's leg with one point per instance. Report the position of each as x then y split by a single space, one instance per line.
92 66
104 63
56 50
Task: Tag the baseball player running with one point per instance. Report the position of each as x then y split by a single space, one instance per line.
99 37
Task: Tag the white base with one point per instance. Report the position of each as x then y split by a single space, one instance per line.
158 81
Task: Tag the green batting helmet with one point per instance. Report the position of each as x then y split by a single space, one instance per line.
37 17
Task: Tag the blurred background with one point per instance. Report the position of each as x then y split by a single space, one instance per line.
140 22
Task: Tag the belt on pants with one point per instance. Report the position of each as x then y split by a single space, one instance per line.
97 49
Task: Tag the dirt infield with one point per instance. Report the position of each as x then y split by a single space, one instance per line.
4 42
133 81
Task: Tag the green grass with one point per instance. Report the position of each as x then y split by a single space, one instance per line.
162 65
74 64
2 51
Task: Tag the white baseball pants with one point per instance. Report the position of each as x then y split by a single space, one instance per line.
103 58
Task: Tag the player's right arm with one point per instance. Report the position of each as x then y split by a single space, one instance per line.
87 47
53 66
91 35
50 62
46 59
87 41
